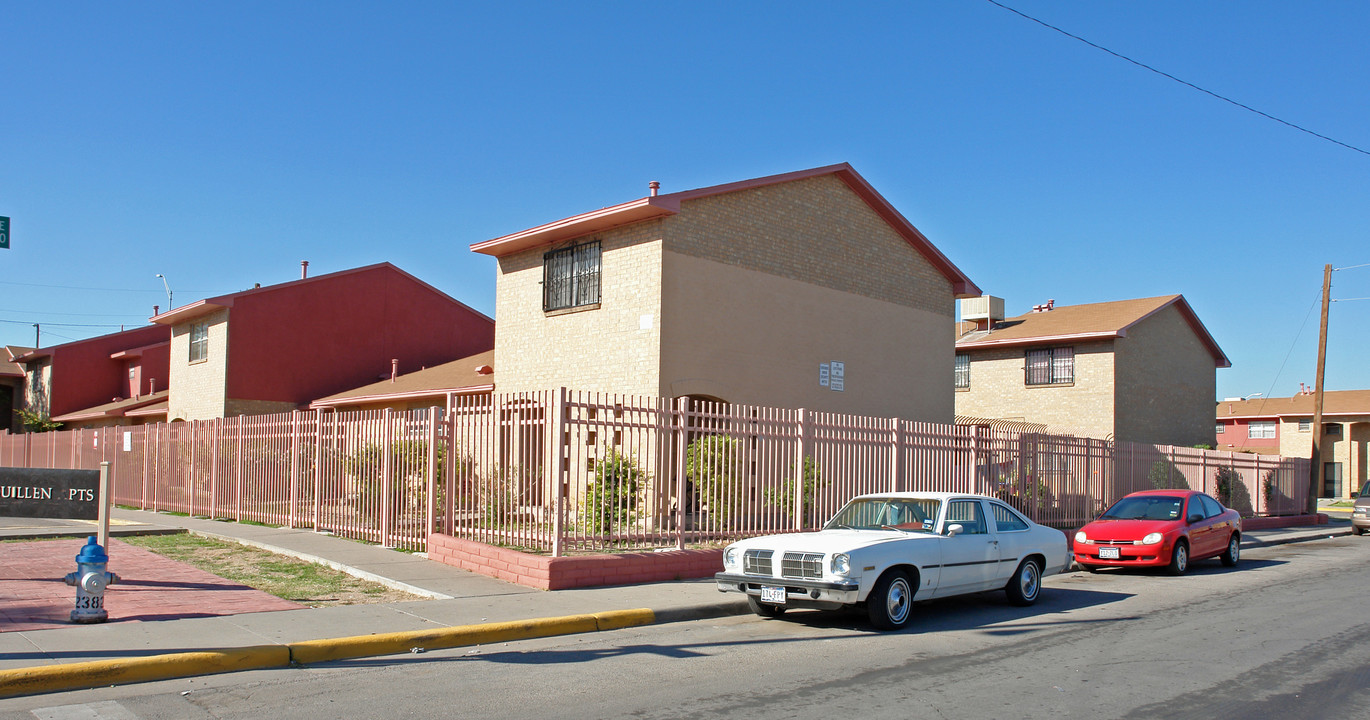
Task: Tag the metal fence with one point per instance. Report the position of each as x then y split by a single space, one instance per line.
569 472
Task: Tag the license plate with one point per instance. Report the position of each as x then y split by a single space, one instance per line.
1108 553
774 595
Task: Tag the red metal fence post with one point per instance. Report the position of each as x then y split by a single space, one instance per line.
387 498
294 469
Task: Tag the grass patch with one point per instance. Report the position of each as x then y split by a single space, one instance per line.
280 575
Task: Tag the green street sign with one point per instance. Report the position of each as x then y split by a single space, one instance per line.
4 233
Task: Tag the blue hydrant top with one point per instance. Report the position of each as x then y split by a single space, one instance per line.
91 553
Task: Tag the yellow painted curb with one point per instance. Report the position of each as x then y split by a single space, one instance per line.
316 651
95 673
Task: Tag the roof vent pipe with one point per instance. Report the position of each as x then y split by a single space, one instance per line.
652 187
394 368
156 309
304 269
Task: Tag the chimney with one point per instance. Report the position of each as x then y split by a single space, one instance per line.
304 269
394 369
652 187
152 386
156 310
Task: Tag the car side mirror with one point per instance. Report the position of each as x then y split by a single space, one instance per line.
955 529
1195 518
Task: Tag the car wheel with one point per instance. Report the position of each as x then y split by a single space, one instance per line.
890 604
1025 585
1234 551
1179 558
1355 530
765 609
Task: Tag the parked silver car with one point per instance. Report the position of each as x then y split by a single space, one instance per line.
1360 515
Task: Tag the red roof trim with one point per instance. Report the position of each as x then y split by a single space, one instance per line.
662 205
1041 340
387 397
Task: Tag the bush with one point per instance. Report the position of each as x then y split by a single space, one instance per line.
784 497
612 497
711 466
408 460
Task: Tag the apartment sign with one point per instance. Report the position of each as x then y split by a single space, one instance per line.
44 493
837 372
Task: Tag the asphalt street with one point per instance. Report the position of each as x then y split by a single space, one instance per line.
1282 635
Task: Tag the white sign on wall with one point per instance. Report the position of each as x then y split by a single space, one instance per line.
823 371
838 372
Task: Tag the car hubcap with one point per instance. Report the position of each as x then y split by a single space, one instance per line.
1233 549
1029 581
897 601
1181 558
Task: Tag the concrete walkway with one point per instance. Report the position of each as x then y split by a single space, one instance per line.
454 599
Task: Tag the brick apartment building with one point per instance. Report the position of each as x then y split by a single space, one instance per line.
806 289
1284 426
1134 370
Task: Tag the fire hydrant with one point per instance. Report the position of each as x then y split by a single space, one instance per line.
90 580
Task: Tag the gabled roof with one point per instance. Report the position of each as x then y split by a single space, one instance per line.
662 205
1093 321
9 368
469 375
117 408
1335 403
200 308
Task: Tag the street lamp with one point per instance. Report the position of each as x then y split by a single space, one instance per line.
168 290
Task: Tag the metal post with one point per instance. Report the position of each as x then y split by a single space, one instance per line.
387 501
557 473
430 509
106 498
801 451
294 468
318 467
682 425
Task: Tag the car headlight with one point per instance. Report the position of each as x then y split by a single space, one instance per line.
730 558
1082 538
1152 539
840 564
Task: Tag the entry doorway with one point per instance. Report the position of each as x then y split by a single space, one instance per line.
1331 480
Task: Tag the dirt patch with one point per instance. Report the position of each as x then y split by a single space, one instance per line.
280 575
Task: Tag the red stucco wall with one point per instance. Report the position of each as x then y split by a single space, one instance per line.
84 375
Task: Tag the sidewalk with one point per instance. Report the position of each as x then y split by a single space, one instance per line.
455 597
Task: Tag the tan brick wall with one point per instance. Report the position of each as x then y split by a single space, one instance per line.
1166 383
234 406
816 231
749 337
602 349
998 389
197 389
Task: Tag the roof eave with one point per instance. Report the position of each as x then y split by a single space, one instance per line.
647 208
1040 340
188 312
395 397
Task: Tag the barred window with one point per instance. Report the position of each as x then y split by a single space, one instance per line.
962 370
570 277
199 342
1052 366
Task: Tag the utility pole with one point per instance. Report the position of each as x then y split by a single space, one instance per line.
1315 465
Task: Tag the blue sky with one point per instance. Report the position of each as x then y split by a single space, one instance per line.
221 144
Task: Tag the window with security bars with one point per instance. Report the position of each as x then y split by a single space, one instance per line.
1052 366
962 370
570 277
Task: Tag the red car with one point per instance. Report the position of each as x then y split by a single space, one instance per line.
1160 528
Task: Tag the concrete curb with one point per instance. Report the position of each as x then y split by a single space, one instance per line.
1328 534
96 673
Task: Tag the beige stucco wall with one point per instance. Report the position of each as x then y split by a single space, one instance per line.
615 347
38 387
197 389
998 389
1166 381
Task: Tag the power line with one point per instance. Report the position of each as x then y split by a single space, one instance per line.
77 287
31 324
1178 80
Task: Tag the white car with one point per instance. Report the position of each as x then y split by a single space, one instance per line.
885 550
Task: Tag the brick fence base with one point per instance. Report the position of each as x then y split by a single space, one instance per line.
559 573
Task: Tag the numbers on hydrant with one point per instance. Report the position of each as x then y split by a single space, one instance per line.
90 580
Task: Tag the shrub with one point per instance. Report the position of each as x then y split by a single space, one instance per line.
612 496
711 466
784 496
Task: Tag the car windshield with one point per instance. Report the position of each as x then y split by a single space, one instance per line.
888 514
1146 507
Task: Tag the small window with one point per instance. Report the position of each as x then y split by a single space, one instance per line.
1221 429
1052 366
962 370
1261 430
1305 425
1331 429
570 277
199 342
